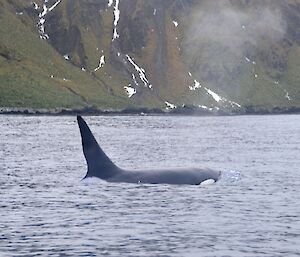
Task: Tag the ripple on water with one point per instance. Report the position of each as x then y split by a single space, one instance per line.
252 211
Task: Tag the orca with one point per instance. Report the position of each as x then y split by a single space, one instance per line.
100 166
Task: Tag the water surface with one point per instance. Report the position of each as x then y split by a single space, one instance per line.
46 210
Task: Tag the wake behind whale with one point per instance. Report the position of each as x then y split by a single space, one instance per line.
99 165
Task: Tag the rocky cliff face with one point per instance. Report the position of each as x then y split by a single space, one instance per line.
122 53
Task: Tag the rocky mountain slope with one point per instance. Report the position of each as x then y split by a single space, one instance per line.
113 54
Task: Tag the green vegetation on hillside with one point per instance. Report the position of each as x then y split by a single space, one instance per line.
228 48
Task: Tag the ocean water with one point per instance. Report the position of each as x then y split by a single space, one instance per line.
253 210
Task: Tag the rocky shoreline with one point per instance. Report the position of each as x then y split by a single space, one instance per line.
185 110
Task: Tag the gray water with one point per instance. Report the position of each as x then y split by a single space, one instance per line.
254 210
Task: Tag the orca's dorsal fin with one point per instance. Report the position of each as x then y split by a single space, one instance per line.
99 165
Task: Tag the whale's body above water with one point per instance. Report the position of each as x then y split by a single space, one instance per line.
99 165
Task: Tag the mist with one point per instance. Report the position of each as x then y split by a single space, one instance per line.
222 33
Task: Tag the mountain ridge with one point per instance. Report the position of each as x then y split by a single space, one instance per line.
133 54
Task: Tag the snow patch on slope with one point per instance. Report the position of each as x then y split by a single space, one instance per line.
141 72
42 17
134 80
116 19
218 98
35 6
213 94
101 63
195 86
247 59
205 107
130 90
110 2
53 6
170 105
175 23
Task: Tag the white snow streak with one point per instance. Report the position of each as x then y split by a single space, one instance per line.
130 90
247 59
154 11
36 6
101 63
234 103
42 20
134 80
110 2
196 85
214 95
53 6
116 20
141 72
218 98
42 14
170 105
205 107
